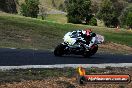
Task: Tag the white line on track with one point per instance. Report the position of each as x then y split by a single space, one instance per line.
67 65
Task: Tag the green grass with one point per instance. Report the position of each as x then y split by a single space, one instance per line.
17 75
24 32
60 18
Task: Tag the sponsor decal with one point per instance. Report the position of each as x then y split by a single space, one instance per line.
102 78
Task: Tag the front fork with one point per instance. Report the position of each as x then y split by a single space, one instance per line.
66 49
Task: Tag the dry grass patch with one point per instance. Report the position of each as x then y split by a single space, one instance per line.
111 47
61 82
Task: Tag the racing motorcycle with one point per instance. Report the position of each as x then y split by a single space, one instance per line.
75 45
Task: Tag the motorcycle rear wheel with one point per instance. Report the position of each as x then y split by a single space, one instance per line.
91 51
94 50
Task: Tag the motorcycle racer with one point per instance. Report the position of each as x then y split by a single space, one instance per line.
86 36
79 42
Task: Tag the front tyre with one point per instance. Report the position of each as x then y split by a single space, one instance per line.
59 50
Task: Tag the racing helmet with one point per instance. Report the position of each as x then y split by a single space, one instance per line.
88 32
80 32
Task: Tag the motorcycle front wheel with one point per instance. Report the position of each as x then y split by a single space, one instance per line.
59 50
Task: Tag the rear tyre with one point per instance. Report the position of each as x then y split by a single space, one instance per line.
91 52
94 50
86 54
59 50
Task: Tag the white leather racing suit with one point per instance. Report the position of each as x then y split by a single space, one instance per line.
92 40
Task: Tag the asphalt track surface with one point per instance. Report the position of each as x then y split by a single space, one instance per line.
19 57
